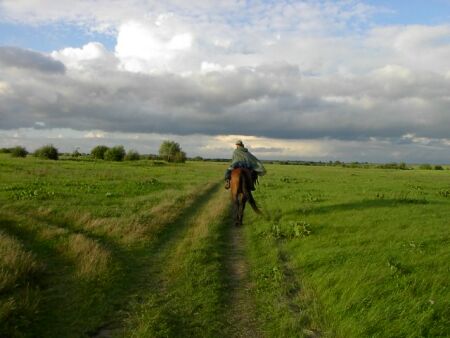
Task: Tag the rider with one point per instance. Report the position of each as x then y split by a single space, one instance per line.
242 158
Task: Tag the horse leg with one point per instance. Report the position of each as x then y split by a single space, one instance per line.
236 210
242 201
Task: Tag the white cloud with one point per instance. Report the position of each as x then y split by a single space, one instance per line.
149 47
4 88
95 134
208 67
79 57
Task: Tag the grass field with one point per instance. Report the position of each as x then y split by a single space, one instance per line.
146 249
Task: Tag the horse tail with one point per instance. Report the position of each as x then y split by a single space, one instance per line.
252 202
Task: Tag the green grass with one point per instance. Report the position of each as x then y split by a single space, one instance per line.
374 261
90 227
142 249
188 298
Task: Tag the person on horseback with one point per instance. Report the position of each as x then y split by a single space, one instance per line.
242 158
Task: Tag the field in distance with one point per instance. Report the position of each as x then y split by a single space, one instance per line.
145 249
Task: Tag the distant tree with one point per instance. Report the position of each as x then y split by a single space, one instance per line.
438 167
48 152
98 152
197 158
116 153
180 157
19 152
5 150
425 166
171 151
132 155
76 153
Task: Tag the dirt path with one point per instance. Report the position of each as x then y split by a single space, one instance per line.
165 270
241 317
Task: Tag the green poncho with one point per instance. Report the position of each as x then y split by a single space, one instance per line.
242 155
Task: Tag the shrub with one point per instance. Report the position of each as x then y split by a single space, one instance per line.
76 153
393 165
5 150
132 155
425 166
98 152
48 152
180 157
19 152
438 167
171 151
116 153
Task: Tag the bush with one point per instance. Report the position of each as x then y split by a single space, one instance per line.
171 151
116 153
5 150
425 166
393 165
132 155
19 152
180 157
438 167
98 152
48 152
76 153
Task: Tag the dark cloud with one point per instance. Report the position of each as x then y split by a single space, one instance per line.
269 101
21 58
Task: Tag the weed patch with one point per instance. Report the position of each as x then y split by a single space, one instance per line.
289 230
444 193
397 268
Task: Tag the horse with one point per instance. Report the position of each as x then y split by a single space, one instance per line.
241 183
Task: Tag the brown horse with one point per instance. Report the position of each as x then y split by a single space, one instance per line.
241 183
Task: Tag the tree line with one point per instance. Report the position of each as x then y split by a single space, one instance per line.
169 151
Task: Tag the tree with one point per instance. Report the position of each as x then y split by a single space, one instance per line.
425 166
19 152
5 150
132 155
171 151
76 153
116 153
48 152
98 152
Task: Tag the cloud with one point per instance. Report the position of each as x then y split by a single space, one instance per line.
289 71
25 59
91 55
152 46
274 100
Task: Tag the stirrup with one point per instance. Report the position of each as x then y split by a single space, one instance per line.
227 184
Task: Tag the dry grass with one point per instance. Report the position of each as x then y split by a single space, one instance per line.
18 268
92 260
16 264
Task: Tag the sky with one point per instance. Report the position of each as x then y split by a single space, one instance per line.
302 80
